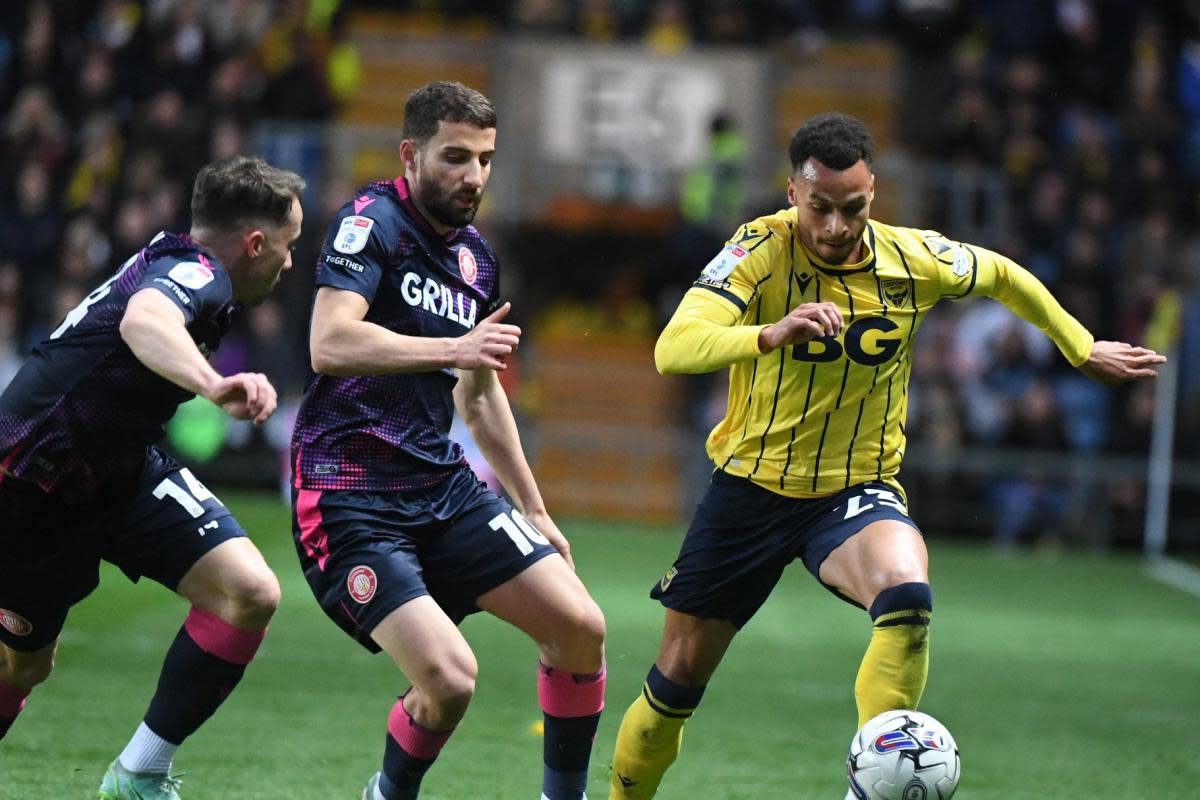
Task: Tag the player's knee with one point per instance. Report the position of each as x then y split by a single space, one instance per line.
589 627
451 686
578 639
255 599
887 577
24 671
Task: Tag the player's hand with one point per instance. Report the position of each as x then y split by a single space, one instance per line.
545 526
806 321
246 395
488 344
1117 362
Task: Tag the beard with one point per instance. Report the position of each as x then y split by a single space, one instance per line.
447 206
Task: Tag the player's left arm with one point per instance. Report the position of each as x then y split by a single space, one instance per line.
481 402
1018 289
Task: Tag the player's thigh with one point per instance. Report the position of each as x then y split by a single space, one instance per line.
359 557
428 648
168 524
49 560
550 604
868 545
486 545
735 550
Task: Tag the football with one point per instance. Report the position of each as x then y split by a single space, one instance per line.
903 755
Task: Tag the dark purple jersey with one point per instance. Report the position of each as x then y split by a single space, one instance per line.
392 431
83 408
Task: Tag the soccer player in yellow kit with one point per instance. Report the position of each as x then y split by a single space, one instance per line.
813 310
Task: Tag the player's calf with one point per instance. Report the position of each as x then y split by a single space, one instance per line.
408 753
202 667
571 704
896 664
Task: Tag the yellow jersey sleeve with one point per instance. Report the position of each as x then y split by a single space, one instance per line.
967 270
709 329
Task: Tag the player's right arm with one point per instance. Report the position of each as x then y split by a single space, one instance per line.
708 330
704 335
342 342
155 330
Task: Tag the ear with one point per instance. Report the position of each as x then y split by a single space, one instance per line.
791 190
871 189
408 156
254 241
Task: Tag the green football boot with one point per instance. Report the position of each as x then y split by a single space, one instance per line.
121 784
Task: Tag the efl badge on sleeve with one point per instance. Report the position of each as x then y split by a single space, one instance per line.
952 254
717 272
352 234
191 274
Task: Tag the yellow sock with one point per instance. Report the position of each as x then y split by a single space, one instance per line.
650 736
896 664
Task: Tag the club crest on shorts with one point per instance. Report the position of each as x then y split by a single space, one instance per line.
466 265
361 583
665 583
14 623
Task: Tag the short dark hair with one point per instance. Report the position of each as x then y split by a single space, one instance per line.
444 101
837 140
243 189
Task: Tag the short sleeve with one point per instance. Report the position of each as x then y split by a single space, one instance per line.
354 254
198 286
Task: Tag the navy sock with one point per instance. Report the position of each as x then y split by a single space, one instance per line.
201 668
408 753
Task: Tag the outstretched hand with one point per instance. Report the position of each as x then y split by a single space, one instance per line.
1112 363
804 322
488 344
246 395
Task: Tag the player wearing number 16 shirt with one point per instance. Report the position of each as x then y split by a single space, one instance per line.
81 480
397 537
813 310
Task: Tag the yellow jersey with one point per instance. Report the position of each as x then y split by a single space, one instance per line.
811 419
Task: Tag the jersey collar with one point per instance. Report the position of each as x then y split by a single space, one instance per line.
866 264
406 200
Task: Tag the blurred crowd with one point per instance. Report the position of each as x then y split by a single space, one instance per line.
109 110
1088 111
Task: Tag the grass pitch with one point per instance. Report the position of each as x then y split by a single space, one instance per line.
1073 676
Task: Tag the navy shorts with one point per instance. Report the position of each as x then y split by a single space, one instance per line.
366 553
743 536
158 525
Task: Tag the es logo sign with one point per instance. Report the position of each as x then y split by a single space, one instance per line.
869 341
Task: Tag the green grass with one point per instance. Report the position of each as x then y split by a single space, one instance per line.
1061 677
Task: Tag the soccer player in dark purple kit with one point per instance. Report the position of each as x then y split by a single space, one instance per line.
397 537
81 480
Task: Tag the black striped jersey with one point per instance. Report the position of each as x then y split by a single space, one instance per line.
392 432
811 419
82 409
